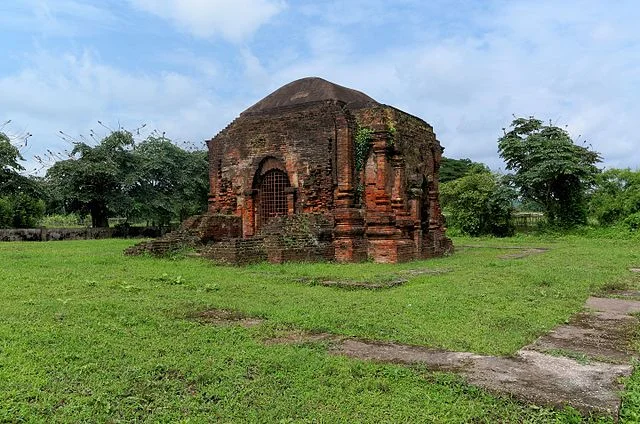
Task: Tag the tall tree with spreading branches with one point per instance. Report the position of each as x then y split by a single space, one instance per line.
152 180
549 169
98 179
21 203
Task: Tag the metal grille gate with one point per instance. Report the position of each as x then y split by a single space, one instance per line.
273 198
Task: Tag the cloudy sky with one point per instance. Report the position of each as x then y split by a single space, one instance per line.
188 67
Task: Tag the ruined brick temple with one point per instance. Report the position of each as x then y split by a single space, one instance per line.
319 171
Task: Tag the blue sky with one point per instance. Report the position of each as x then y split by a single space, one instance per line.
188 67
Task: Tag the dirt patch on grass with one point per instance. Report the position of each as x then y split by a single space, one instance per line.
394 280
355 285
301 337
529 375
598 336
624 294
225 317
435 359
162 374
477 246
423 271
613 306
634 269
524 253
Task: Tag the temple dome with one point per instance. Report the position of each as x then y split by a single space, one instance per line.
309 90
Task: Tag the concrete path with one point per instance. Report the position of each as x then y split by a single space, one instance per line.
529 375
578 364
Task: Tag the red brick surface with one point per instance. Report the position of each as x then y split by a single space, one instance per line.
386 212
398 217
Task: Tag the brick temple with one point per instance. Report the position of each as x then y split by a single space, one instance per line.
317 171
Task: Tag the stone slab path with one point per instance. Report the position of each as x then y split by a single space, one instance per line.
603 333
578 364
529 375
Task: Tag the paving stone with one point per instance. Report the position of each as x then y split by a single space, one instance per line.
579 364
600 336
531 376
613 306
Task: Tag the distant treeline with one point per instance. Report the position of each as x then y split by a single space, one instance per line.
154 182
550 175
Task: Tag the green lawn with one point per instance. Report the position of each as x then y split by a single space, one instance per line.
88 335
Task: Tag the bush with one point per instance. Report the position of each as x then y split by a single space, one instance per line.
64 221
27 211
20 211
6 213
479 204
633 221
616 196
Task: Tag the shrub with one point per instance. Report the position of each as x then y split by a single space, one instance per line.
64 221
479 204
616 196
633 221
27 211
6 213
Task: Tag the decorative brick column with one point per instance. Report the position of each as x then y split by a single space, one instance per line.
291 200
385 240
348 241
415 212
248 214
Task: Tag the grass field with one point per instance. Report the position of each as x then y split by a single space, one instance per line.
88 335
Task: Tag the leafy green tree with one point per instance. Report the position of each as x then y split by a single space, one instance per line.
452 169
616 196
26 210
21 205
9 154
6 213
9 165
479 203
173 182
98 180
550 169
153 180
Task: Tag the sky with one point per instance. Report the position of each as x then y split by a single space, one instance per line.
189 67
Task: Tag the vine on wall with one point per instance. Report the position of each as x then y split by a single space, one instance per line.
362 144
391 140
361 147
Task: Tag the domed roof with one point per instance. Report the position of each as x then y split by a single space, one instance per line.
308 90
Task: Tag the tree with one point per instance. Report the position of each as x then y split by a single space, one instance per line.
9 164
616 196
479 203
98 179
549 169
21 205
173 182
152 180
452 169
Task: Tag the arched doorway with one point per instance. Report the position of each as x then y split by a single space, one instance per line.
272 195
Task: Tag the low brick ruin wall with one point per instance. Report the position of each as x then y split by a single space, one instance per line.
53 234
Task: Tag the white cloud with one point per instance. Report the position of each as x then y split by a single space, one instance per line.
72 92
66 18
466 75
553 60
233 20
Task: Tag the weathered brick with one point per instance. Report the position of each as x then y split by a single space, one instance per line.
298 145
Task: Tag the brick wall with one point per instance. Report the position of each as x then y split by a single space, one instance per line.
400 217
301 138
